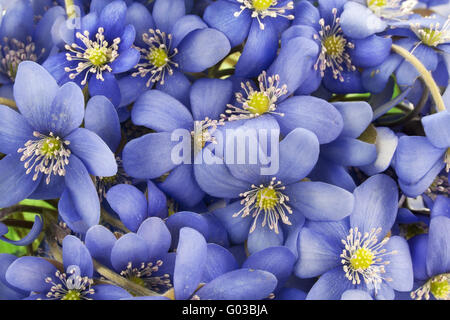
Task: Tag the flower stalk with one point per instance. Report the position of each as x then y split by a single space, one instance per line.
424 73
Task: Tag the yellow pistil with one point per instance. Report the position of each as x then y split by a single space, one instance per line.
72 295
266 198
362 259
158 57
261 5
334 45
431 37
376 3
50 147
440 289
258 103
97 56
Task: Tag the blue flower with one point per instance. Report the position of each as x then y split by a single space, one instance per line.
172 43
142 257
101 117
44 281
258 22
388 10
355 253
347 40
267 198
426 38
98 51
48 155
418 160
198 263
430 255
149 156
270 98
350 149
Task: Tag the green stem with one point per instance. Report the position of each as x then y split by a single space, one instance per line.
424 73
8 102
23 208
18 223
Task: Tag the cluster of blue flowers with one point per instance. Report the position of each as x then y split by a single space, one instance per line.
225 149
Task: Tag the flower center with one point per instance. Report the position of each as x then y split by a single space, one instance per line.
268 200
203 133
261 5
334 45
376 3
158 57
333 54
94 57
50 146
156 60
439 286
72 295
434 35
431 37
47 154
265 8
98 56
390 9
363 257
255 103
70 285
258 103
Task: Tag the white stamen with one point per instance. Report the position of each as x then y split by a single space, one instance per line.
145 272
14 52
433 35
47 154
268 200
203 132
156 41
272 11
392 9
95 57
66 284
337 55
357 248
443 293
268 86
